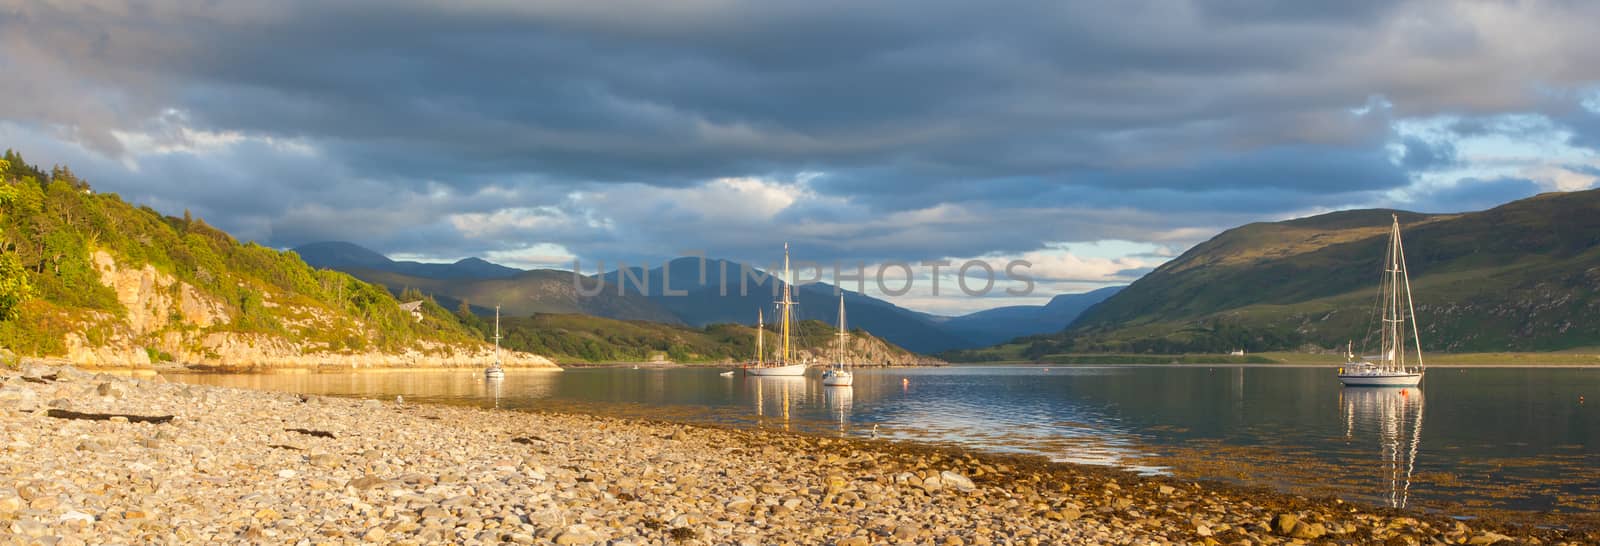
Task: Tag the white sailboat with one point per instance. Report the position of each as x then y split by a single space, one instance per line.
786 364
1390 368
838 374
495 371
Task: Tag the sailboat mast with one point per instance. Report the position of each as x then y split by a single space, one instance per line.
497 334
843 333
784 327
761 331
1411 308
1397 351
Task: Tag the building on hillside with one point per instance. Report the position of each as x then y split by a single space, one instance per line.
1237 352
413 307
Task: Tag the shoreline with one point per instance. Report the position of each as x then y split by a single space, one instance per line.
230 468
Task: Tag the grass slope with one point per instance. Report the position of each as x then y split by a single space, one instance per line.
1519 277
51 224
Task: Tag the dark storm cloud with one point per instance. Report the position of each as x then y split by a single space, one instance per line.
920 127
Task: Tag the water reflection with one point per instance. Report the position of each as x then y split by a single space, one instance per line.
775 395
1394 416
839 401
431 386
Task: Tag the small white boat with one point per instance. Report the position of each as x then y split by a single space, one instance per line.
495 371
785 365
838 374
728 373
1390 368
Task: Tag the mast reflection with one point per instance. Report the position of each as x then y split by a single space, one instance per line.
1394 415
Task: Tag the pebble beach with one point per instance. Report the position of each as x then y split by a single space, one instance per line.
90 458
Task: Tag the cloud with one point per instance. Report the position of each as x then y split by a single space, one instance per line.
892 130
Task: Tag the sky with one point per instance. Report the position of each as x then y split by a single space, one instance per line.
1095 140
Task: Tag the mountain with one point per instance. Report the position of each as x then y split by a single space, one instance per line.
527 293
345 256
1524 276
587 339
993 326
94 280
733 292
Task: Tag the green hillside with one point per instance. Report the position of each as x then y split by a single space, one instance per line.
88 270
576 338
1519 277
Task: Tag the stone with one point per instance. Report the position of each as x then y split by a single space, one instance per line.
958 481
367 482
1166 490
1488 539
738 505
1284 524
323 459
577 534
21 398
1308 531
375 534
853 541
75 516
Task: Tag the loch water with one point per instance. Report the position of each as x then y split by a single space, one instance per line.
1467 438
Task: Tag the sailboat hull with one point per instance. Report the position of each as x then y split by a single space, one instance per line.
1381 379
791 370
838 379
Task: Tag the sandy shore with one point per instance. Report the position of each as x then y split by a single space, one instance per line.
236 466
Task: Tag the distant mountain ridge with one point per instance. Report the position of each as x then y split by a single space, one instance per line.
342 256
1001 324
643 294
1524 276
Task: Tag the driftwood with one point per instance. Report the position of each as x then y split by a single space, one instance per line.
309 432
281 446
68 414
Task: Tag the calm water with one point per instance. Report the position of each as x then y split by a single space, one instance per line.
1513 438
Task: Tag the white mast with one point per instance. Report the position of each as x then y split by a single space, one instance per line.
761 331
786 357
497 336
1411 309
844 334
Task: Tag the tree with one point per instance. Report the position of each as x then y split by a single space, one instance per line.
14 287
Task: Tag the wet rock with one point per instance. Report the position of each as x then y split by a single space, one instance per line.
1488 539
1284 524
1308 531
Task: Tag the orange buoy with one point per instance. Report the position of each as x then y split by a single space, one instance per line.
1402 392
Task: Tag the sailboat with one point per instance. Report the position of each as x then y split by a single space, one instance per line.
786 364
1389 368
838 374
495 371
